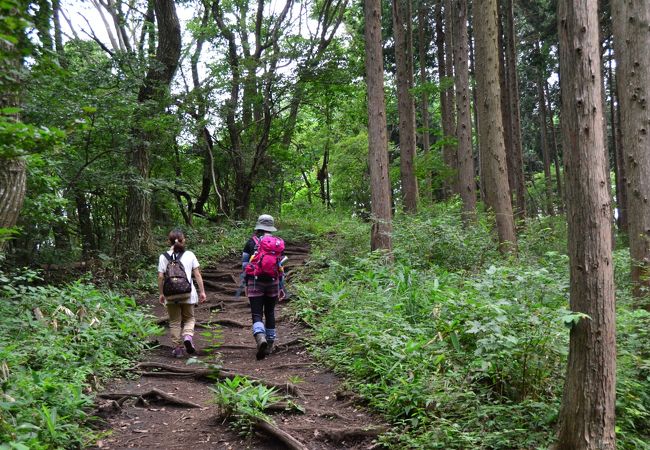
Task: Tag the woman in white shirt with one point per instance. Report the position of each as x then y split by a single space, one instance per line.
181 308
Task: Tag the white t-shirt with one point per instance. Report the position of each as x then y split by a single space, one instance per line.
189 261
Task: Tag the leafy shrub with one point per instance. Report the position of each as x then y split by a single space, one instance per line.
52 364
243 402
466 348
436 236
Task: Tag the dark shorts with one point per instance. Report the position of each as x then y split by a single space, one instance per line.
259 288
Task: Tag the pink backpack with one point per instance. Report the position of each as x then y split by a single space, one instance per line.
265 262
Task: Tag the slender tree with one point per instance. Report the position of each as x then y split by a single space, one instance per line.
446 96
554 149
544 141
422 57
631 20
466 182
493 153
151 96
515 155
586 418
380 195
402 30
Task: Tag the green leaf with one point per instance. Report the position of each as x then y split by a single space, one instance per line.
11 110
454 341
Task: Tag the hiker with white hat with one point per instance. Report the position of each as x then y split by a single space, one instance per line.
264 276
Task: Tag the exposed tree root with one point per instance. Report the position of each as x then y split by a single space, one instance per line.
291 365
168 370
284 437
292 342
284 347
152 395
235 347
218 286
344 434
207 323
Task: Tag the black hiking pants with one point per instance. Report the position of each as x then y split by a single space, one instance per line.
263 307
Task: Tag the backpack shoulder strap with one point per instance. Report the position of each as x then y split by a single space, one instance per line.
177 256
168 256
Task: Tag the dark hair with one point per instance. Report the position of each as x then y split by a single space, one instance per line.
177 239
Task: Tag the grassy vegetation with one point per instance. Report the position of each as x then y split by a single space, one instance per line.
52 365
456 345
51 368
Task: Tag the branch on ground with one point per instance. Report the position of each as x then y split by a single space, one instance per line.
154 395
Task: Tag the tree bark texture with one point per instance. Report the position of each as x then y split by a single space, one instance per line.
516 160
402 18
150 97
586 418
13 168
477 137
466 181
631 19
621 178
493 152
13 180
422 52
544 143
451 95
505 99
554 149
380 192
446 107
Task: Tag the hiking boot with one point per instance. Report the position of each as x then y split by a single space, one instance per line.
269 346
189 345
262 345
178 352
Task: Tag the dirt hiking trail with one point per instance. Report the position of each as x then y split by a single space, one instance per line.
169 404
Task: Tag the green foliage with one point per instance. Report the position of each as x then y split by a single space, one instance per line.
458 346
51 365
243 402
434 237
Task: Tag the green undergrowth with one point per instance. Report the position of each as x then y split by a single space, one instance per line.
459 347
57 346
243 403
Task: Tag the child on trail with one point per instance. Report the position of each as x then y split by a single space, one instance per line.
175 293
261 262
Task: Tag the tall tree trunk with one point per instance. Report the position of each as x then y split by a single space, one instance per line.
13 178
631 20
586 418
56 20
466 182
380 197
451 94
422 52
516 160
505 101
544 143
151 97
621 195
477 137
554 150
88 245
402 18
493 150
13 168
621 178
446 108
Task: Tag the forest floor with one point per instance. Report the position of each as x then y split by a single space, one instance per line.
139 412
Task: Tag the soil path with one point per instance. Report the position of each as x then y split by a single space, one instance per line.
140 413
